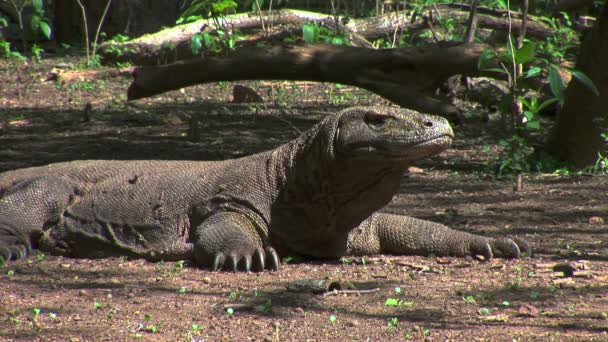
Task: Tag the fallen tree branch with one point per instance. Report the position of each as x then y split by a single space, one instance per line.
358 292
407 76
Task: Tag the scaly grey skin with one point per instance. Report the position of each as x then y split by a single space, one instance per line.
311 197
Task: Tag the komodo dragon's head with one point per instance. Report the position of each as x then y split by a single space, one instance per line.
382 133
343 170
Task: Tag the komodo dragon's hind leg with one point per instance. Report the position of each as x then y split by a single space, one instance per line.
229 240
398 234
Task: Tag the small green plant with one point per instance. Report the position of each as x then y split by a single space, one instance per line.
222 37
601 164
178 266
470 299
229 312
392 324
181 290
97 305
196 330
398 291
149 327
314 34
520 64
35 324
333 319
484 311
117 47
234 295
397 302
10 273
505 303
40 257
36 53
53 316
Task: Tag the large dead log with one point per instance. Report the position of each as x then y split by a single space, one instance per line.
173 43
407 76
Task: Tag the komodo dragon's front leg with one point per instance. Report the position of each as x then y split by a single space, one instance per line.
229 240
399 234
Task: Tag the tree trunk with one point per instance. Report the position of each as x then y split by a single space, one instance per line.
576 137
407 76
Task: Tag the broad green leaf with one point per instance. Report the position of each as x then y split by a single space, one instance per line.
35 23
337 41
3 22
506 56
196 8
584 79
534 124
256 5
38 6
526 53
208 41
546 103
499 70
484 58
525 102
45 29
310 33
223 5
528 116
556 84
533 72
196 43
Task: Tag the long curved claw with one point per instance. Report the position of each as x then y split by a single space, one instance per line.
233 262
218 261
259 258
273 258
18 251
484 249
247 263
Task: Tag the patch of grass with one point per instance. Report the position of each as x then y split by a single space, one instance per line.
470 299
392 324
398 302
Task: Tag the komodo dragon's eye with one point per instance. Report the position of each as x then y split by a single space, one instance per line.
376 119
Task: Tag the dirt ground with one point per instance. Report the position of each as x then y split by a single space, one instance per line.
560 294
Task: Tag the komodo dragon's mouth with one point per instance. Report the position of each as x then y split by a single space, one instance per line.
399 148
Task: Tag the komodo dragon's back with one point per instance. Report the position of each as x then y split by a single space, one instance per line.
315 196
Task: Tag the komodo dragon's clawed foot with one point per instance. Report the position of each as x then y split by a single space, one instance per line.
11 247
504 247
260 260
510 248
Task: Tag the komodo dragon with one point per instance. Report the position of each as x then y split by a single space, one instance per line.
315 197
